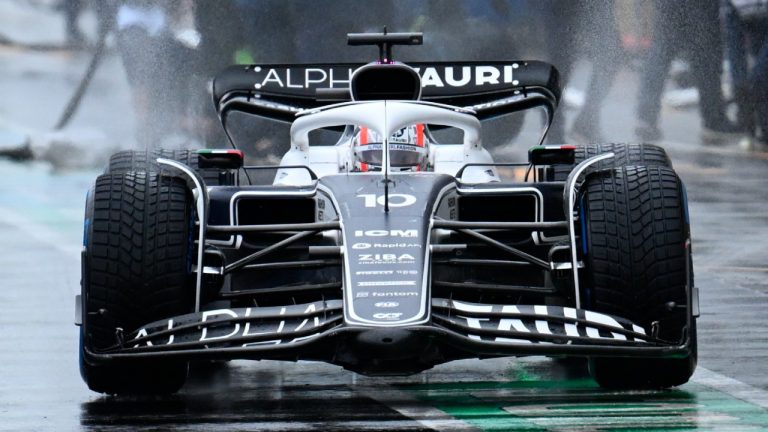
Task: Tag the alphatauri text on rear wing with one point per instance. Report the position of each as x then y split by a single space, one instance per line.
279 91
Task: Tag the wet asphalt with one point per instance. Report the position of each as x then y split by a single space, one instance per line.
40 235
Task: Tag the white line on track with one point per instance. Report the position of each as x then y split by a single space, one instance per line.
732 269
40 233
731 387
414 409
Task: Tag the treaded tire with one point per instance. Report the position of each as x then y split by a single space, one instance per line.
638 373
135 271
636 230
624 154
132 160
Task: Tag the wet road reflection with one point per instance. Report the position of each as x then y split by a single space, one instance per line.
242 396
535 395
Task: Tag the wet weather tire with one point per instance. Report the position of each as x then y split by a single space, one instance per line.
624 154
636 262
132 160
136 270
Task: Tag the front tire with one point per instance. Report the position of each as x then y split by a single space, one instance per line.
132 160
636 260
136 270
624 154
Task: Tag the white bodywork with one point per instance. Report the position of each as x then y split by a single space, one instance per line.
385 118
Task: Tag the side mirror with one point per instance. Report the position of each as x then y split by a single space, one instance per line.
552 154
221 159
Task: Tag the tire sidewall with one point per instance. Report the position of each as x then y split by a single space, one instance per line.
84 281
633 372
134 376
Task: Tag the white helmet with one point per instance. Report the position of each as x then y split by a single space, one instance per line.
407 149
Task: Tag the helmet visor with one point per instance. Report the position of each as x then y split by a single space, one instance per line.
400 155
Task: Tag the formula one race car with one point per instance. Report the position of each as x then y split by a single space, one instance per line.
387 252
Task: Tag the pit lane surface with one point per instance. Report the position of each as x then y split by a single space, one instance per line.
41 390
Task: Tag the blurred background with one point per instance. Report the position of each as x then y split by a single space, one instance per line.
82 78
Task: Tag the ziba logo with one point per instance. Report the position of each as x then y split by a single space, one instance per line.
386 257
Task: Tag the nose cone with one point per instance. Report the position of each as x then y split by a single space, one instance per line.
386 255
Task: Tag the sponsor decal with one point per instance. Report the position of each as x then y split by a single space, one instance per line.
375 272
448 76
409 233
387 304
515 323
396 245
497 103
386 283
320 209
308 78
389 316
432 76
275 105
386 259
361 246
395 294
231 330
362 294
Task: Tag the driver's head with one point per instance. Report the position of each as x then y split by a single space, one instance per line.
407 149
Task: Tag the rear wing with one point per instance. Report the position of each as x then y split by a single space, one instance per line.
490 89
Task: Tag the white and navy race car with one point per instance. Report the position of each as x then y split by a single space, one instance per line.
387 252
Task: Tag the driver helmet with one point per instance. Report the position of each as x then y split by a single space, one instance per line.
407 149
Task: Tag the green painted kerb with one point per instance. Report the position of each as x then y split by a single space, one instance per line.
579 405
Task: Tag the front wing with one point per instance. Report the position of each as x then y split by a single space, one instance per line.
316 331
